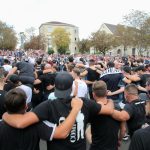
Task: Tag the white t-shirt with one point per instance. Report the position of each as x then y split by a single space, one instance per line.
82 88
7 67
28 92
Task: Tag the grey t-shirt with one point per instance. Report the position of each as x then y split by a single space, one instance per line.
26 69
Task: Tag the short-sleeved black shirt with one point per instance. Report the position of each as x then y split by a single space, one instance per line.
24 139
47 79
2 108
113 81
92 75
56 111
104 132
143 79
140 140
136 111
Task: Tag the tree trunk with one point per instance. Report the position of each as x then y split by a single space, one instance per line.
125 50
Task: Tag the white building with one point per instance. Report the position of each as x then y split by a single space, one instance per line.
111 29
47 28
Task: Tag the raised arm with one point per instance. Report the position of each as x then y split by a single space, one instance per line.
65 127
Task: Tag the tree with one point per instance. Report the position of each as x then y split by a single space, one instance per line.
137 19
84 45
50 51
36 43
61 40
146 28
124 36
8 39
30 33
102 41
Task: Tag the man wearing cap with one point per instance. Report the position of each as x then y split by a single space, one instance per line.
56 112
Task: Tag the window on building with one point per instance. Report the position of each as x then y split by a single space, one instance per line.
119 51
133 51
49 29
75 38
75 48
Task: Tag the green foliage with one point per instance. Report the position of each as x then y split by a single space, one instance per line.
102 41
140 23
123 36
50 51
62 50
36 43
61 40
84 46
8 39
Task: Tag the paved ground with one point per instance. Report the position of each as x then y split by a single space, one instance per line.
124 145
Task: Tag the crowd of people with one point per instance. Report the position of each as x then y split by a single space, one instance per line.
71 100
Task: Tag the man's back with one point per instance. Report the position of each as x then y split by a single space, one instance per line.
2 98
112 78
104 131
136 110
23 139
56 111
140 140
26 69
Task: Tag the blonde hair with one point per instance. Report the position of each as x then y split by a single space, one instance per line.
100 88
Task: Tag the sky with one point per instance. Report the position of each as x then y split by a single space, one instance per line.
88 15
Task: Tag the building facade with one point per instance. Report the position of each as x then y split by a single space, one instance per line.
47 28
111 29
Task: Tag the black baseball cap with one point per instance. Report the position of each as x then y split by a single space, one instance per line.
63 85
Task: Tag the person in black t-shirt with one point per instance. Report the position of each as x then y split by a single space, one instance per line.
47 81
28 138
133 111
140 140
113 77
92 74
105 129
2 98
146 97
141 77
2 108
11 83
57 111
